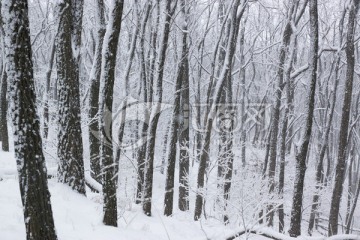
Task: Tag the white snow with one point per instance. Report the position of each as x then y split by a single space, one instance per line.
80 218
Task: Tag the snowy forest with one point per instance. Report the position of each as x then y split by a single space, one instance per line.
179 119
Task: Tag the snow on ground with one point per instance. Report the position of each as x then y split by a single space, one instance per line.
79 218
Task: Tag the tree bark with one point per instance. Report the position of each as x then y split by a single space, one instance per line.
184 138
144 126
107 146
276 115
343 135
284 130
3 113
325 142
296 212
94 134
70 145
155 112
35 196
231 47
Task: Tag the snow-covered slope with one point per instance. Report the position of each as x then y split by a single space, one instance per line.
78 217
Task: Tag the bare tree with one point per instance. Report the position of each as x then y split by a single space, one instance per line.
155 111
234 19
296 216
94 140
70 145
4 137
184 130
107 79
35 196
343 135
286 37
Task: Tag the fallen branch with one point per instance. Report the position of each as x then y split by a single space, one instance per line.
94 185
271 234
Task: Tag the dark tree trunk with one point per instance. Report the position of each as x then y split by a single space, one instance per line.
94 134
243 93
70 146
276 114
284 129
343 135
171 153
47 89
35 196
165 144
179 130
296 212
155 112
109 168
228 150
184 137
3 113
324 146
204 157
4 135
352 208
147 97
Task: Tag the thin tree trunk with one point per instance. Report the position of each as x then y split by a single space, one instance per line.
173 136
47 89
243 94
147 98
94 134
343 135
165 144
107 146
276 115
324 146
155 112
296 212
284 130
184 138
352 209
3 113
231 47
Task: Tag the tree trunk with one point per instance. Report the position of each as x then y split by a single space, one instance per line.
276 115
4 135
184 138
325 142
3 113
47 89
94 134
165 144
147 98
231 47
296 212
155 112
343 135
173 136
284 130
35 196
107 146
70 146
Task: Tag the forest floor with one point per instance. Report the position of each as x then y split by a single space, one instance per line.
78 217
